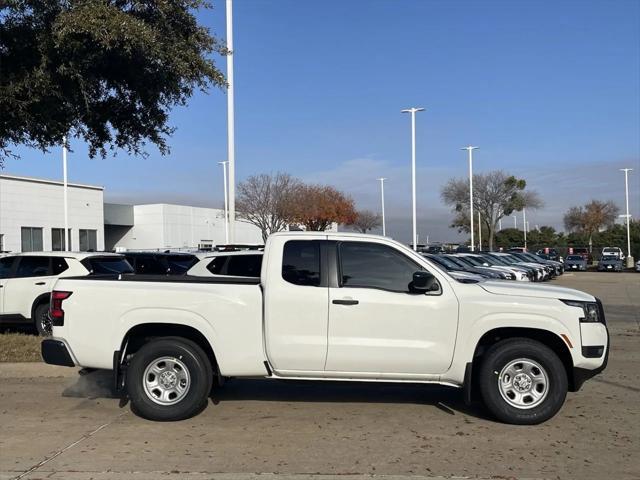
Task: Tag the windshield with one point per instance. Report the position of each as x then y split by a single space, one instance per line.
499 261
575 257
444 261
473 260
97 265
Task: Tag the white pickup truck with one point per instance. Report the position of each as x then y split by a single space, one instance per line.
347 307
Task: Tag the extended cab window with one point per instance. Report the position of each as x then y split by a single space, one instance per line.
301 262
33 267
371 265
244 265
217 265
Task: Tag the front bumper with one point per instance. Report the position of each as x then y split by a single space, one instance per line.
581 375
55 352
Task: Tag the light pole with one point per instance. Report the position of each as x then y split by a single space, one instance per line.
470 150
226 199
499 224
413 111
524 226
231 152
384 227
628 216
515 222
65 188
479 233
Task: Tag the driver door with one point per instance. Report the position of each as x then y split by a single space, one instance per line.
377 326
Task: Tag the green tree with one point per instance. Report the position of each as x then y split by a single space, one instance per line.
106 71
495 195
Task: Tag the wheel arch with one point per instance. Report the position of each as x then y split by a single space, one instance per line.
40 300
140 334
546 337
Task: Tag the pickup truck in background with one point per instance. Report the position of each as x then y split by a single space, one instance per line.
331 306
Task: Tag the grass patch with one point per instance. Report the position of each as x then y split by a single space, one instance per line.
19 347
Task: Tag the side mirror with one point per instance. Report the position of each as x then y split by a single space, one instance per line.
423 282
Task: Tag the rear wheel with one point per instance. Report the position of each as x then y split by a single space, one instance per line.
169 379
42 321
522 381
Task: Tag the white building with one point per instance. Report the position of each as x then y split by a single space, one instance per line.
165 226
32 215
32 219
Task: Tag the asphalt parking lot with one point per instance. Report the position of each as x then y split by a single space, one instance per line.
57 424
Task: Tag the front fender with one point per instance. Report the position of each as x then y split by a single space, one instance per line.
479 318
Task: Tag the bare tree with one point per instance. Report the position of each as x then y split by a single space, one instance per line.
591 217
265 201
495 195
366 220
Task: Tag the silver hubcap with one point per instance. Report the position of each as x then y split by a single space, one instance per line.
523 383
166 380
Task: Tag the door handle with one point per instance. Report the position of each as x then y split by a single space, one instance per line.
345 302
41 283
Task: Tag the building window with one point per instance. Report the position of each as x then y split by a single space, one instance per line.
88 240
31 239
57 239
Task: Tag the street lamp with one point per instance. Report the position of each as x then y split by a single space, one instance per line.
231 152
470 150
226 197
413 111
65 189
384 227
479 233
524 226
628 216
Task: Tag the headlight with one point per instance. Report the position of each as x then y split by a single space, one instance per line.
590 309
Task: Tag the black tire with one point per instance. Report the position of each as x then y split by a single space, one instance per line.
42 321
199 371
507 352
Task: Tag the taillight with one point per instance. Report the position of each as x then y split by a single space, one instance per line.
55 306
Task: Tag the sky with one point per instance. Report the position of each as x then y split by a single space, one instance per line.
549 91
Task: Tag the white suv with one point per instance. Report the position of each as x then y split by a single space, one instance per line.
26 280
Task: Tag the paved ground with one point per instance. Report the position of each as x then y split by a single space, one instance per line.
55 424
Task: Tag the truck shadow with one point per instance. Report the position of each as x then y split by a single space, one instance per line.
99 384
448 399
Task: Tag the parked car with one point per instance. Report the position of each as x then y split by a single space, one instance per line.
576 262
242 263
583 251
522 274
466 266
552 269
340 306
638 266
26 280
453 269
161 263
550 254
610 265
538 272
612 252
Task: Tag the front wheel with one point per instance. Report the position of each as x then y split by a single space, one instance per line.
42 321
522 381
169 379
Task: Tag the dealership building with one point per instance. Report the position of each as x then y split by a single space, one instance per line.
32 219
